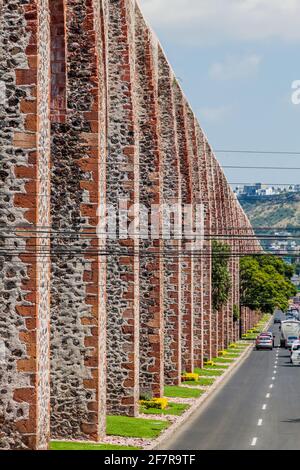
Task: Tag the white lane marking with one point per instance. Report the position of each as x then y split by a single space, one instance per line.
273 378
275 371
268 395
271 386
264 407
260 421
254 441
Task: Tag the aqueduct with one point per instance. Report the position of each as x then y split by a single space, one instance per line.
91 114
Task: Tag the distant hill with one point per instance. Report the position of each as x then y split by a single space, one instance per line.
280 211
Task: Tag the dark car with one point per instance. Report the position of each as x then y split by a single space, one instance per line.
277 320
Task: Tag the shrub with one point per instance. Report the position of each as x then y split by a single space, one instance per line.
190 377
222 353
209 363
233 346
156 403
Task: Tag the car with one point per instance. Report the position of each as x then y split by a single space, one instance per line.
264 341
269 333
295 353
277 320
290 340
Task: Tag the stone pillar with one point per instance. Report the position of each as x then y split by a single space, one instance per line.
122 198
24 219
187 284
172 201
237 248
215 222
77 300
222 223
203 299
196 326
150 171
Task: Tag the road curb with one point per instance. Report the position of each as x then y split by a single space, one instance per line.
205 398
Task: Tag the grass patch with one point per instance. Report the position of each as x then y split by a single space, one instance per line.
208 372
223 360
174 391
134 427
232 354
55 445
174 409
202 381
218 366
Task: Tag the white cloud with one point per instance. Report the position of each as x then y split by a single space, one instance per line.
210 21
235 67
213 114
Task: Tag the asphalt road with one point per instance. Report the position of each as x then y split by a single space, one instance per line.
258 408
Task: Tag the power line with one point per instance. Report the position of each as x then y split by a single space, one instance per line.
261 167
263 152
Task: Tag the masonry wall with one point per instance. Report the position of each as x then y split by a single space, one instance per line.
122 191
151 349
24 256
78 399
94 122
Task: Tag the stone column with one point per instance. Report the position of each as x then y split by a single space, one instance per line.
150 175
172 242
195 147
187 284
213 234
122 193
24 219
77 297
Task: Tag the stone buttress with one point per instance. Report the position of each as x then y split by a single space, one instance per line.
24 210
77 304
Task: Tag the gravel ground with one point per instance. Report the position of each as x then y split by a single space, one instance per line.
126 441
198 387
158 417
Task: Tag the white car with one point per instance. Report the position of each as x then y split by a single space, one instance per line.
290 341
295 353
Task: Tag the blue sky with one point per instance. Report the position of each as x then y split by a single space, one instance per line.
236 61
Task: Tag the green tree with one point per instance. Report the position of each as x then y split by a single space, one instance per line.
265 283
221 279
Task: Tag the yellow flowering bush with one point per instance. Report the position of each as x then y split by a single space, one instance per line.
223 353
157 403
233 346
190 377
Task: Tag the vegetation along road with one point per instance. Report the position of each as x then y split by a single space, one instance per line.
258 408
